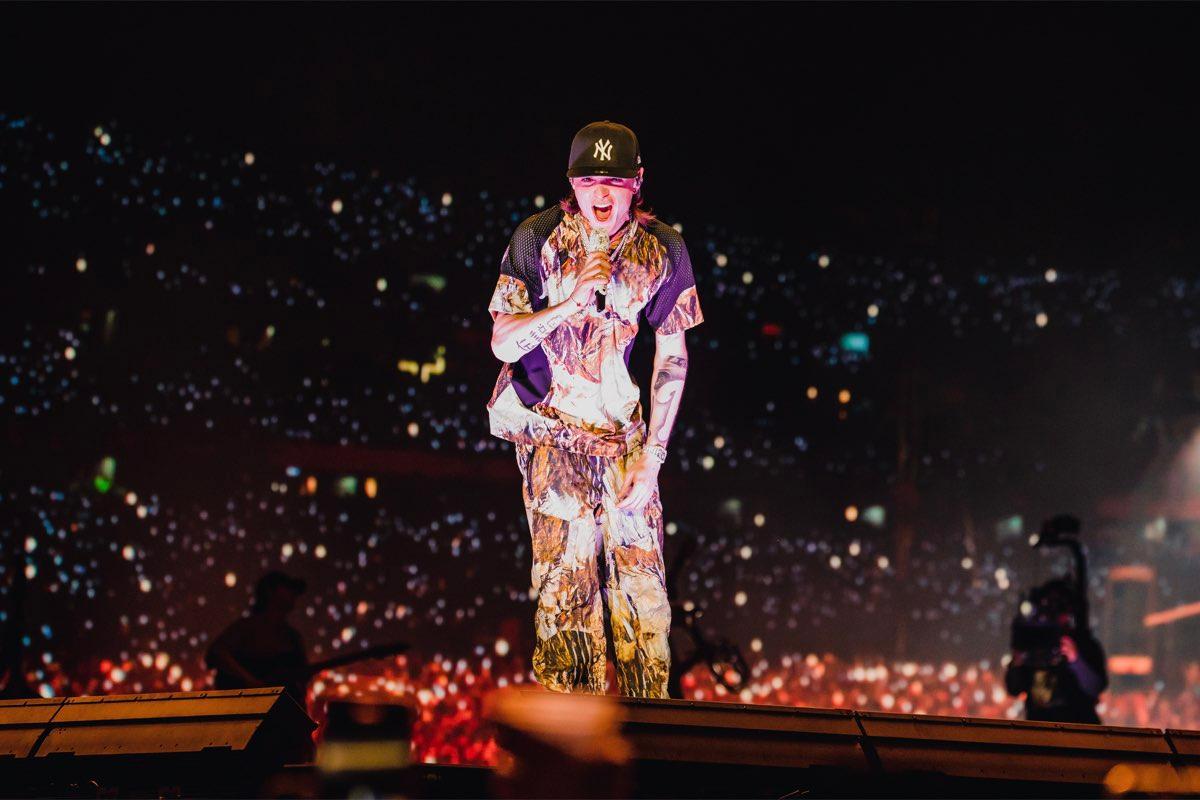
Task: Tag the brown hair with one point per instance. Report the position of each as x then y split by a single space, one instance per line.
643 215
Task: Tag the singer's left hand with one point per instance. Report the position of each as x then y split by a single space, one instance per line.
640 483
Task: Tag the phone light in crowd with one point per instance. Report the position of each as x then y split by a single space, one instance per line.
347 486
435 367
102 484
823 261
310 485
370 487
501 647
539 201
150 248
1051 275
81 265
414 429
1010 527
435 282
747 277
1042 319
248 159
844 396
856 342
381 285
875 516
231 579
1002 581
721 259
130 499
759 520
811 393
336 206
851 513
447 199
872 311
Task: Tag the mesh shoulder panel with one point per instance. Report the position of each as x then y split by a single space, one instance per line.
679 273
523 256
523 261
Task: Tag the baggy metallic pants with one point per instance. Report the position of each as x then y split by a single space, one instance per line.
588 555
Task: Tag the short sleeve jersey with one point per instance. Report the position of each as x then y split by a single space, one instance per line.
574 391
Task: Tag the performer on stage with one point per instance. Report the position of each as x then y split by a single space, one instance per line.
565 310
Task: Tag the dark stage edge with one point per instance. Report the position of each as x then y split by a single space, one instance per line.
229 744
710 750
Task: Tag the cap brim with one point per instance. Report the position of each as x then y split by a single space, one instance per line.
582 172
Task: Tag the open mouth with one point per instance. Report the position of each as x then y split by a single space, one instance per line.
603 213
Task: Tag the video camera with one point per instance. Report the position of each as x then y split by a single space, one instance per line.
1039 625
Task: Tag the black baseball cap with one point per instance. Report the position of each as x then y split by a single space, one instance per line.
604 148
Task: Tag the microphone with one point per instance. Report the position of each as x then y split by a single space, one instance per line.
597 242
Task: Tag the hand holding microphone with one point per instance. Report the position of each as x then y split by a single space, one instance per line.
596 243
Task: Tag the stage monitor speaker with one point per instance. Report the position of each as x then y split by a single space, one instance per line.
993 749
1186 744
733 733
227 739
22 723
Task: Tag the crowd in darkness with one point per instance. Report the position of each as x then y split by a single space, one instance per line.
190 335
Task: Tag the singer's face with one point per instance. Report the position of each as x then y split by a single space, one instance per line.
604 201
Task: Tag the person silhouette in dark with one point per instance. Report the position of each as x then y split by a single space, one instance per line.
1056 661
262 648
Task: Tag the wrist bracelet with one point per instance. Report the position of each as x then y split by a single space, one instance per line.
657 452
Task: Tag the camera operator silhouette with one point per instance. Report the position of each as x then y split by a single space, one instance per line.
1056 660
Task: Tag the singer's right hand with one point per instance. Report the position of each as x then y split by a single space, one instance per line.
593 276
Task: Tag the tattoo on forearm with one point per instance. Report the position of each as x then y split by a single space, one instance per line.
534 336
667 394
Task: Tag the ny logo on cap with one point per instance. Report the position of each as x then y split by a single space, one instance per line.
603 150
